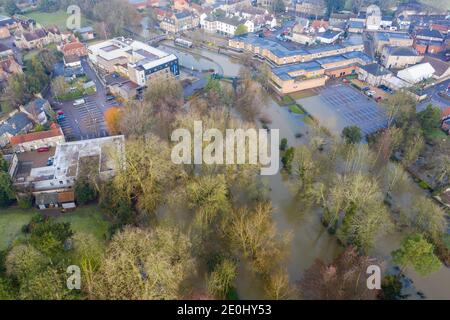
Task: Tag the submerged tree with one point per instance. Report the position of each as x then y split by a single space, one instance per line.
343 279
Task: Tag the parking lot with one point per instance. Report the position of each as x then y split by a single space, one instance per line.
85 121
338 106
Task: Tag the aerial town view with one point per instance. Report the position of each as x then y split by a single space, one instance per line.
228 150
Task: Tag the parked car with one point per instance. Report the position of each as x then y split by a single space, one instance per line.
79 102
43 149
365 89
50 161
384 88
60 113
370 93
109 97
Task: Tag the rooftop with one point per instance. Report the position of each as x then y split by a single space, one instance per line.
401 51
375 69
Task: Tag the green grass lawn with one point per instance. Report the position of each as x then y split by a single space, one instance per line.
30 54
58 18
11 222
296 109
303 94
84 219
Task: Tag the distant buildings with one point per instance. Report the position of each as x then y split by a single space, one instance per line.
385 38
179 22
253 19
280 55
33 37
399 57
133 59
310 8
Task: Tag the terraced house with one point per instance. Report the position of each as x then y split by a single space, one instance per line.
33 37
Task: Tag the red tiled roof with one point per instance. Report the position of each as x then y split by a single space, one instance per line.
55 131
66 196
445 113
71 46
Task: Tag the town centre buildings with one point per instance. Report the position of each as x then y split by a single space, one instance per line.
301 67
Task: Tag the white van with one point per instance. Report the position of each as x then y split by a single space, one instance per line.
79 102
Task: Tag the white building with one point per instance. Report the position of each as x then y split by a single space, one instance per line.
133 59
416 73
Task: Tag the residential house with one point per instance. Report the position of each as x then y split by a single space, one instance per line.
74 48
227 25
340 20
180 5
356 26
37 110
4 33
36 37
5 51
86 33
178 22
441 68
72 61
429 35
385 38
8 67
399 57
328 36
416 73
35 140
8 22
16 123
373 74
429 41
310 8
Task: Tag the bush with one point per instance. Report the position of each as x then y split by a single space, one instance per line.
287 100
283 144
25 201
84 191
424 185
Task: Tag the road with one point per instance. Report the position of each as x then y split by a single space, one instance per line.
433 96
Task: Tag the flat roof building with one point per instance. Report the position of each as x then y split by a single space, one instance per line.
134 59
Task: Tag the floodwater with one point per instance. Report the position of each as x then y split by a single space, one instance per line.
310 239
201 59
